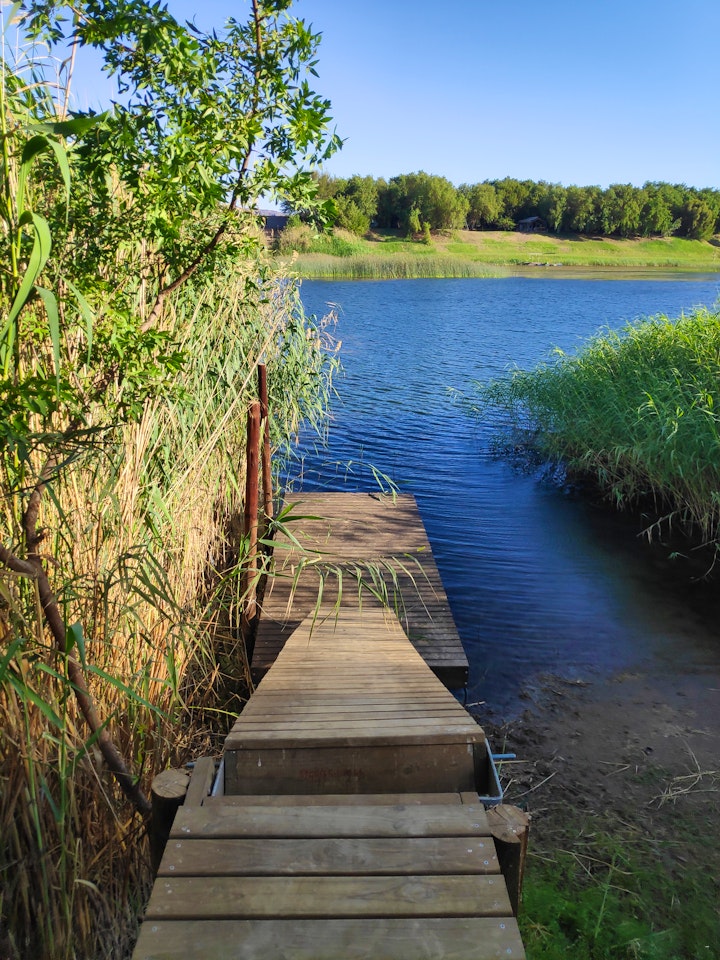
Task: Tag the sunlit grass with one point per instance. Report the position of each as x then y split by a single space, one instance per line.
462 254
400 266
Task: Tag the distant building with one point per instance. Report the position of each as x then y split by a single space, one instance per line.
531 225
273 221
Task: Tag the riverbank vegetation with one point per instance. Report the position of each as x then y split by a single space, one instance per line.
420 225
136 302
340 255
636 411
414 202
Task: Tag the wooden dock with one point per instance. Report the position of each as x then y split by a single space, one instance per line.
348 826
359 545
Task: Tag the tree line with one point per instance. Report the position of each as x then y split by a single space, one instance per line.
422 202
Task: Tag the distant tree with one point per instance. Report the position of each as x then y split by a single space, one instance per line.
413 221
514 197
483 205
712 199
698 219
435 199
351 217
552 207
582 214
656 218
363 192
620 210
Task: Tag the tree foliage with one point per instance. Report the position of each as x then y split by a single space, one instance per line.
408 201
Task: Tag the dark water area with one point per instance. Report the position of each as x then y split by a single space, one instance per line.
540 581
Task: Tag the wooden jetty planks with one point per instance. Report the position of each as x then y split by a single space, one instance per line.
384 852
350 706
225 898
359 856
342 536
426 938
300 879
307 819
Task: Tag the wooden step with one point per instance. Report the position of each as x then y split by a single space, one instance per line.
351 707
305 878
425 938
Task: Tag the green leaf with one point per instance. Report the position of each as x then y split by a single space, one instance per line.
76 127
38 258
74 637
27 693
51 308
119 685
88 315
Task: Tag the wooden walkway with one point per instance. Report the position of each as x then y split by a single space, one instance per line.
360 544
350 826
351 707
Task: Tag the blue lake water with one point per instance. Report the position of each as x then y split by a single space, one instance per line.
539 581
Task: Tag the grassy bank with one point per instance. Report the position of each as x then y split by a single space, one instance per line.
636 411
493 253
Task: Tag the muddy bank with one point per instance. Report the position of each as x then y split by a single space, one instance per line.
636 746
621 778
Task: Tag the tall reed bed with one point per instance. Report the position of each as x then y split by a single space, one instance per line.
425 266
637 410
147 559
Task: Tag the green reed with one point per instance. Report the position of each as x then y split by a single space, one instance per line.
147 562
399 266
636 410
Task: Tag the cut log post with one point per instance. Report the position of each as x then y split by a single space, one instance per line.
168 793
510 826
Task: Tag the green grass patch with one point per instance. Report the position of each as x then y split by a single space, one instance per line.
610 897
393 267
510 249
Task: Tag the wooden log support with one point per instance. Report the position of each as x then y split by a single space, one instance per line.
168 792
509 827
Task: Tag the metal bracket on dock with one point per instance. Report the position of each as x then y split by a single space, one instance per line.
495 790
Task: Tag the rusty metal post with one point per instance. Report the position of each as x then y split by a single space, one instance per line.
265 453
251 506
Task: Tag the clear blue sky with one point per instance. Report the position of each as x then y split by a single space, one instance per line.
569 91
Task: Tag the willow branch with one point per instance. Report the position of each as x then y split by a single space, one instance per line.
212 243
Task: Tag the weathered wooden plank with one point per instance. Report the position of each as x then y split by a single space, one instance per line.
339 799
359 856
228 898
201 781
364 767
351 820
471 938
351 731
271 704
